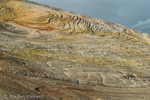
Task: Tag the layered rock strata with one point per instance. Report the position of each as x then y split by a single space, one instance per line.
58 55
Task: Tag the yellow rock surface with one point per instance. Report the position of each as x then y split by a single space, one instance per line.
52 54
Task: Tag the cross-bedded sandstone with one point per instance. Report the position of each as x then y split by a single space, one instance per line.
61 55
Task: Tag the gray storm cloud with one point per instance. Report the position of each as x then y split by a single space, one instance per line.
143 26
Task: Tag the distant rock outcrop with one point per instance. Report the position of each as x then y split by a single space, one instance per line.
48 53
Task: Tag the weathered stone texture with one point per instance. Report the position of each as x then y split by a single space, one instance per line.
57 55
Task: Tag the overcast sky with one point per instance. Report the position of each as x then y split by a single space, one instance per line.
131 13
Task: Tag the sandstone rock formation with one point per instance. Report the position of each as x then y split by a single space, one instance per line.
48 53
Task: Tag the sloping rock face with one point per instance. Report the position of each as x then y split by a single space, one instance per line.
48 53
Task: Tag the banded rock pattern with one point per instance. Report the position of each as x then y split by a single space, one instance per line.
50 19
61 55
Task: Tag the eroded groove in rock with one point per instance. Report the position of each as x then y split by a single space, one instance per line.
99 27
